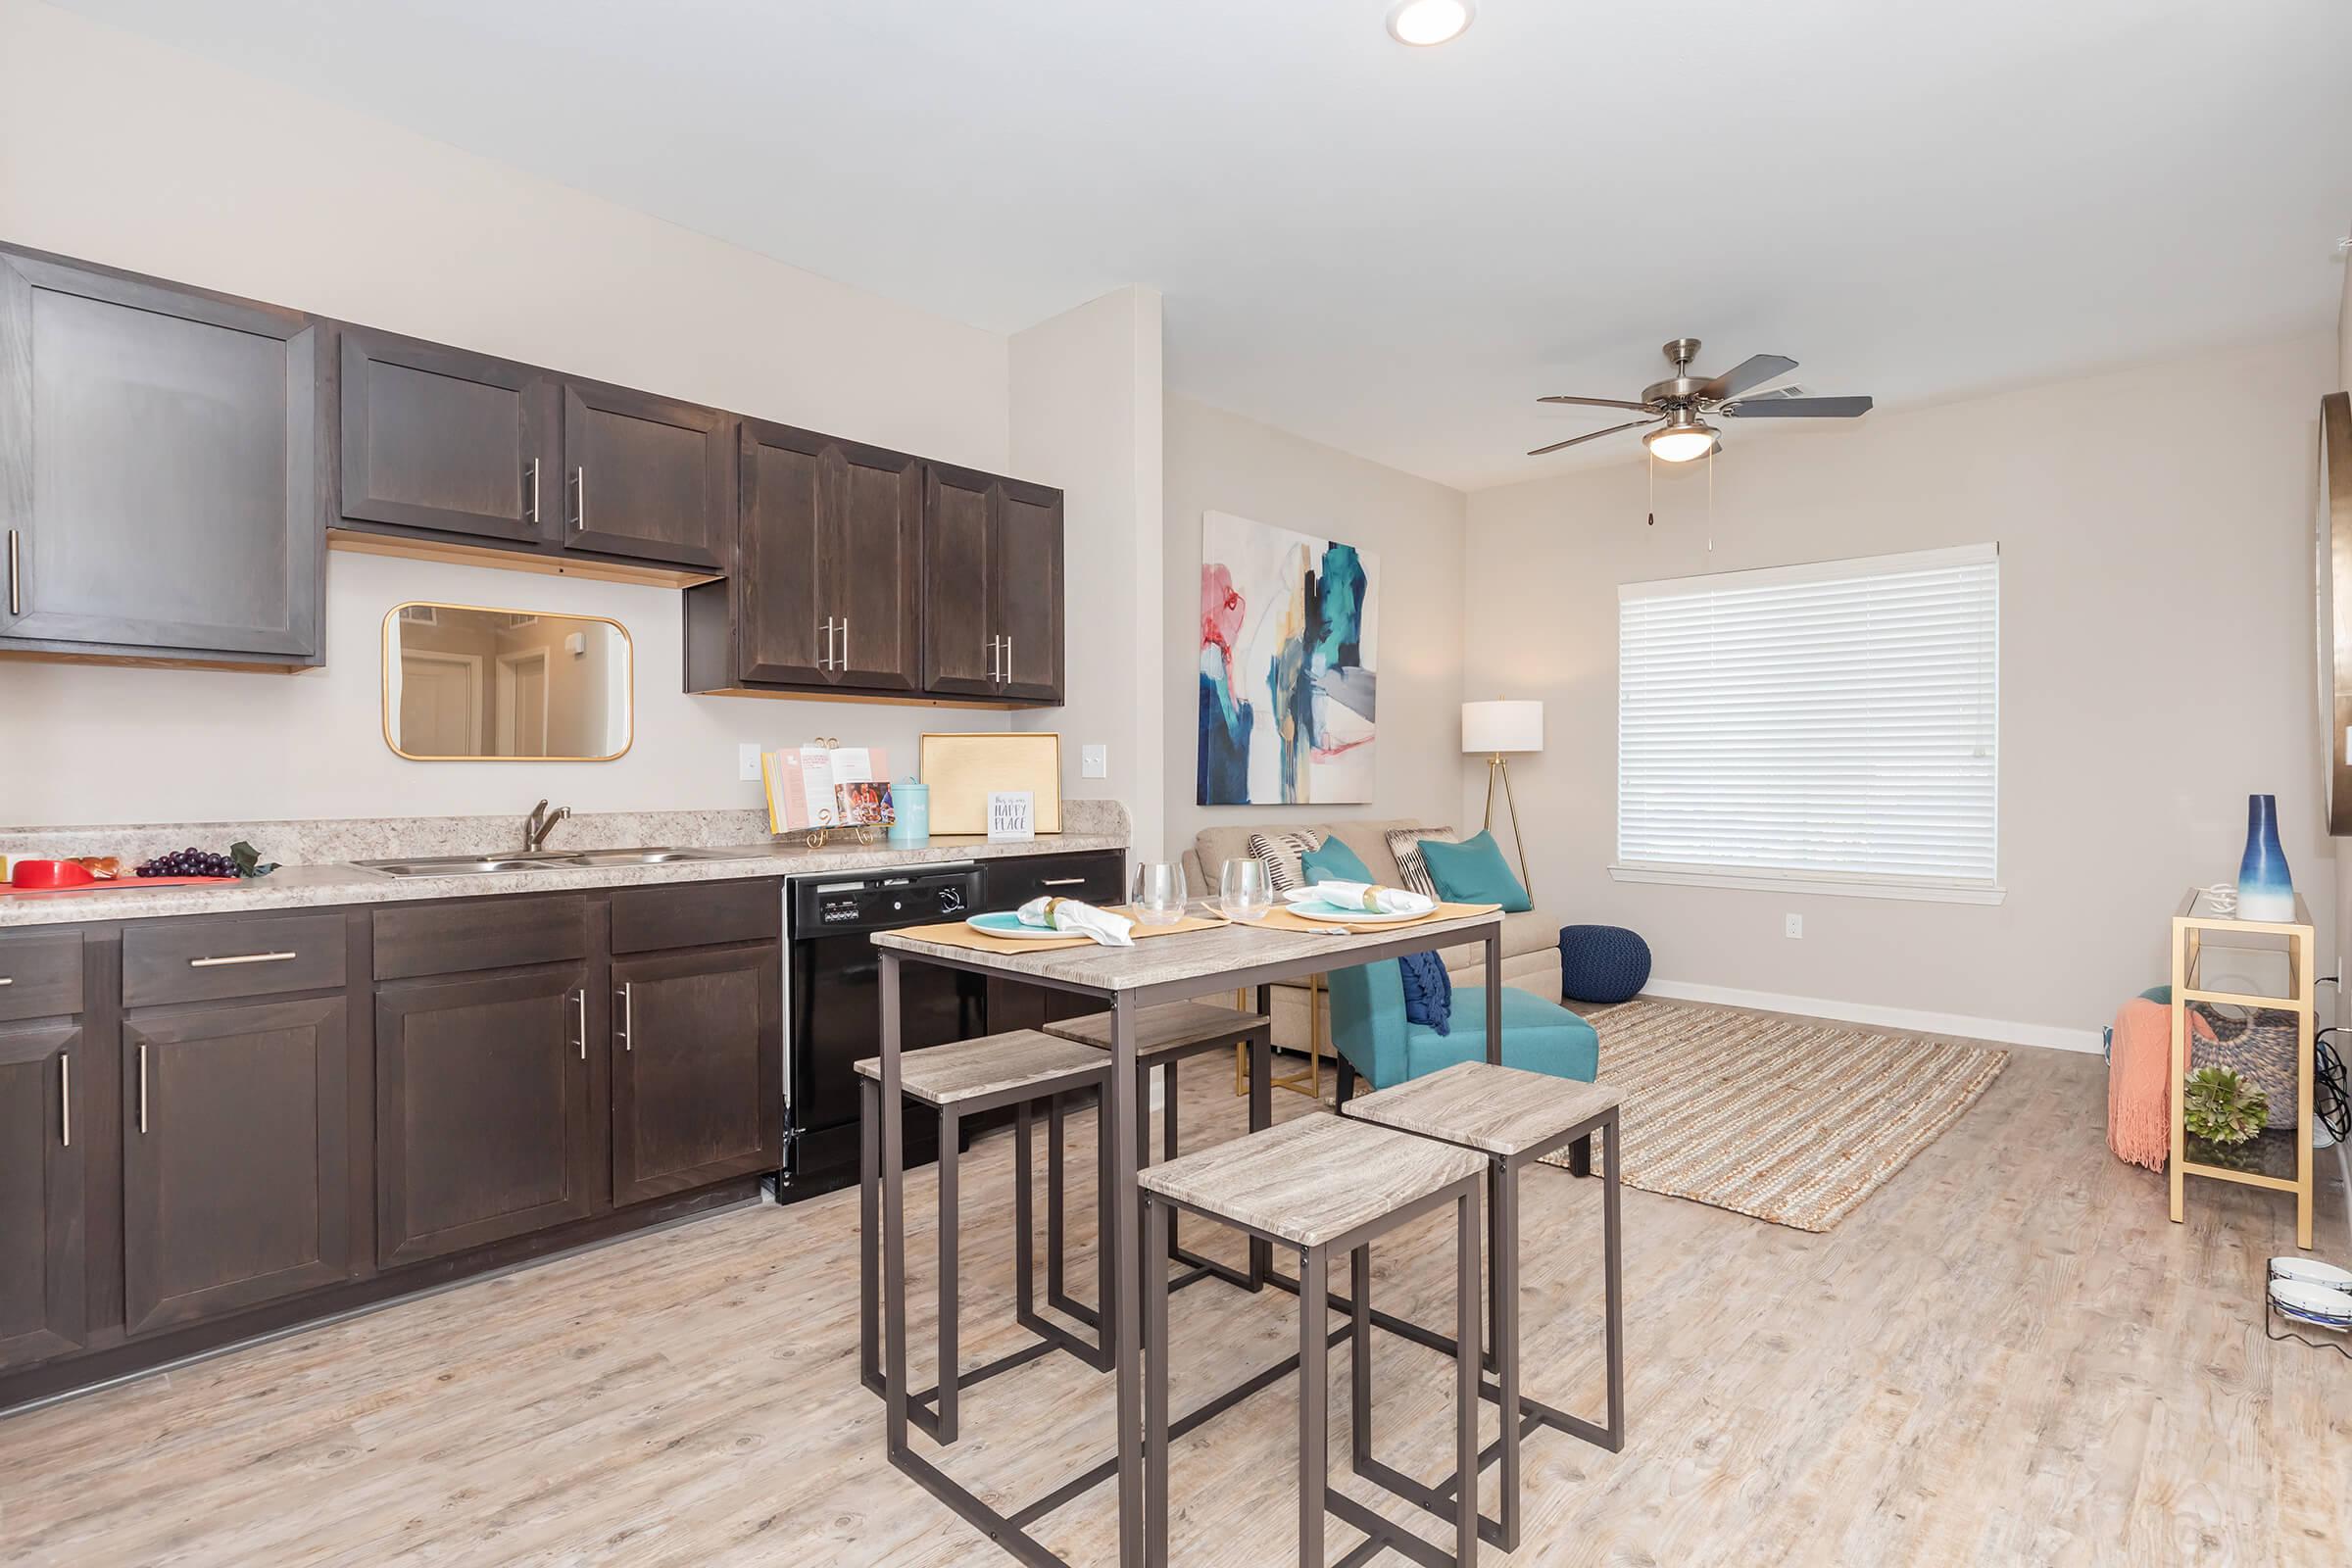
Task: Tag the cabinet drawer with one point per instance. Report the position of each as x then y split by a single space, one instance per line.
496 932
40 976
1095 876
696 914
206 961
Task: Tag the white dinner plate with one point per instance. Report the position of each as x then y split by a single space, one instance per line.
1004 924
2313 1304
1316 910
2310 1271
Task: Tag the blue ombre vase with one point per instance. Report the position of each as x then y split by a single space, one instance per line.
2265 891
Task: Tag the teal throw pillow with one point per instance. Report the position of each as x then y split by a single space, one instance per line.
1333 862
1473 871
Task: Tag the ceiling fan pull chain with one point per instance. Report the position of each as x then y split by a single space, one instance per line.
1710 503
1650 461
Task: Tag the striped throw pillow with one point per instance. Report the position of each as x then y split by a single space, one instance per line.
1280 853
1404 843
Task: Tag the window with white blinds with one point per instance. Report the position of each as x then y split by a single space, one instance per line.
1836 722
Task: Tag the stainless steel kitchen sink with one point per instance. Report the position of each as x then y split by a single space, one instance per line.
550 861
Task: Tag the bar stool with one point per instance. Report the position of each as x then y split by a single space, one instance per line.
957 1080
1512 1118
1318 1184
1164 1036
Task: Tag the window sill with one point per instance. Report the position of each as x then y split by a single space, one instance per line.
1798 882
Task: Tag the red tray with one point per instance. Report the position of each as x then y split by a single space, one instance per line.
123 882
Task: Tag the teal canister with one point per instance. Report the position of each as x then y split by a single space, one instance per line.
913 801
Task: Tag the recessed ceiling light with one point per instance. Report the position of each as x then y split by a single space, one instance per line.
1423 23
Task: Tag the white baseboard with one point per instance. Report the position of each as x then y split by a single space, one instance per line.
1968 1027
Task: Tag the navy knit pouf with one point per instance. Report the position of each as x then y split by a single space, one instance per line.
1603 963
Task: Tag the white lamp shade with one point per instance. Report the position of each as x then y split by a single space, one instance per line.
1507 726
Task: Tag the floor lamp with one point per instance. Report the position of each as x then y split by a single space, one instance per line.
1491 729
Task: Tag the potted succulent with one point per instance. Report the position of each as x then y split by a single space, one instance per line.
2223 1111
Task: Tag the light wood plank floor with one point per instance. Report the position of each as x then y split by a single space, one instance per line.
2007 1355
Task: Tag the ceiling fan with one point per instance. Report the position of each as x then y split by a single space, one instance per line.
1678 404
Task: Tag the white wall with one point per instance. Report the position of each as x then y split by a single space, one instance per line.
1086 418
1219 462
2157 667
126 152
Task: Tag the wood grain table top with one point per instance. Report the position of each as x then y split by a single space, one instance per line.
1195 956
967 1069
1170 1026
1313 1179
1503 1110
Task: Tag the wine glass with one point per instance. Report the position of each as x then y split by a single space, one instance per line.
1245 891
1160 893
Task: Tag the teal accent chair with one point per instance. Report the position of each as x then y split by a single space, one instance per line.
1374 1041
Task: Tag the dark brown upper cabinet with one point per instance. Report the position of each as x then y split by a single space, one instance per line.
160 470
445 442
647 477
992 587
823 593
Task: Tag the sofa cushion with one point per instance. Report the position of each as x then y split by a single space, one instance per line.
1538 1035
1412 871
1530 931
1215 846
1282 853
1474 872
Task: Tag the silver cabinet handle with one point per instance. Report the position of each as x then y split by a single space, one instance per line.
7 979
996 664
241 957
628 1014
16 593
64 1100
579 511
579 1000
1061 882
845 644
532 472
1007 661
825 660
142 1086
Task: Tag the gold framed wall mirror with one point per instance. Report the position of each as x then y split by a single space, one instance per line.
469 683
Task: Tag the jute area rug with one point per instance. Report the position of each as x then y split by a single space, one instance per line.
1790 1121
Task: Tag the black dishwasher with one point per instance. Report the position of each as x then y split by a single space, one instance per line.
833 1010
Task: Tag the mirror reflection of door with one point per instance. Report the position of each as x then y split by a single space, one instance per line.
523 704
440 703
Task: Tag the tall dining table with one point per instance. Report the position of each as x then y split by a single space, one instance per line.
1126 980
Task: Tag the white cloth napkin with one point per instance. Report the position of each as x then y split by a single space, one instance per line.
1079 920
1367 896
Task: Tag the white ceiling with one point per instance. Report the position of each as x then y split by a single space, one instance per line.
1394 251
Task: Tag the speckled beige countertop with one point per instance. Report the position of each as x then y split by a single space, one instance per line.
318 855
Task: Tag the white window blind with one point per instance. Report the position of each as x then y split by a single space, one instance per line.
1836 721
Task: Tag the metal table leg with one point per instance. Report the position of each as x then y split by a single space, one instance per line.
1127 1252
951 1224
891 1091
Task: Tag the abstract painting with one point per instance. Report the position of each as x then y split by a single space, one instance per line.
1289 623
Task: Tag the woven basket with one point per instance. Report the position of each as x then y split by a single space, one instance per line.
2259 1046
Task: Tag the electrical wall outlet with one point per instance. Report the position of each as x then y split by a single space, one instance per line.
1797 925
747 762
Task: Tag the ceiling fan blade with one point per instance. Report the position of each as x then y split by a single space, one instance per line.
1601 403
1797 409
1578 440
1754 370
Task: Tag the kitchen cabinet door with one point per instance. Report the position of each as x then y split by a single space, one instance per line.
1026 558
236 1182
438 439
783 629
961 651
44 1127
159 469
873 568
698 1065
482 1110
647 477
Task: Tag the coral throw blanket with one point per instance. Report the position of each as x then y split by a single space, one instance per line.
2139 1080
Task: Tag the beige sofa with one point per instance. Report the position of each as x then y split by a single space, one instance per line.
1531 941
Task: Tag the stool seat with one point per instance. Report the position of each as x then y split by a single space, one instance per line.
1313 1179
1502 1110
970 1069
1174 1026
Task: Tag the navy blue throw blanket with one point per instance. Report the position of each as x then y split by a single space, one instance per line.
1428 990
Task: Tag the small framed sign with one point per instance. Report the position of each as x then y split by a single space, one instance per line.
1011 816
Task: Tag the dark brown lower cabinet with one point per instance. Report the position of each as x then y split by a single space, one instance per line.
236 1157
482 1095
42 1135
698 1060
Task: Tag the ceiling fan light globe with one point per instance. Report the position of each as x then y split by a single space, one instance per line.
1680 442
1425 24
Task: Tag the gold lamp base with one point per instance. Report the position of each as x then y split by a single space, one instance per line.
1498 767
